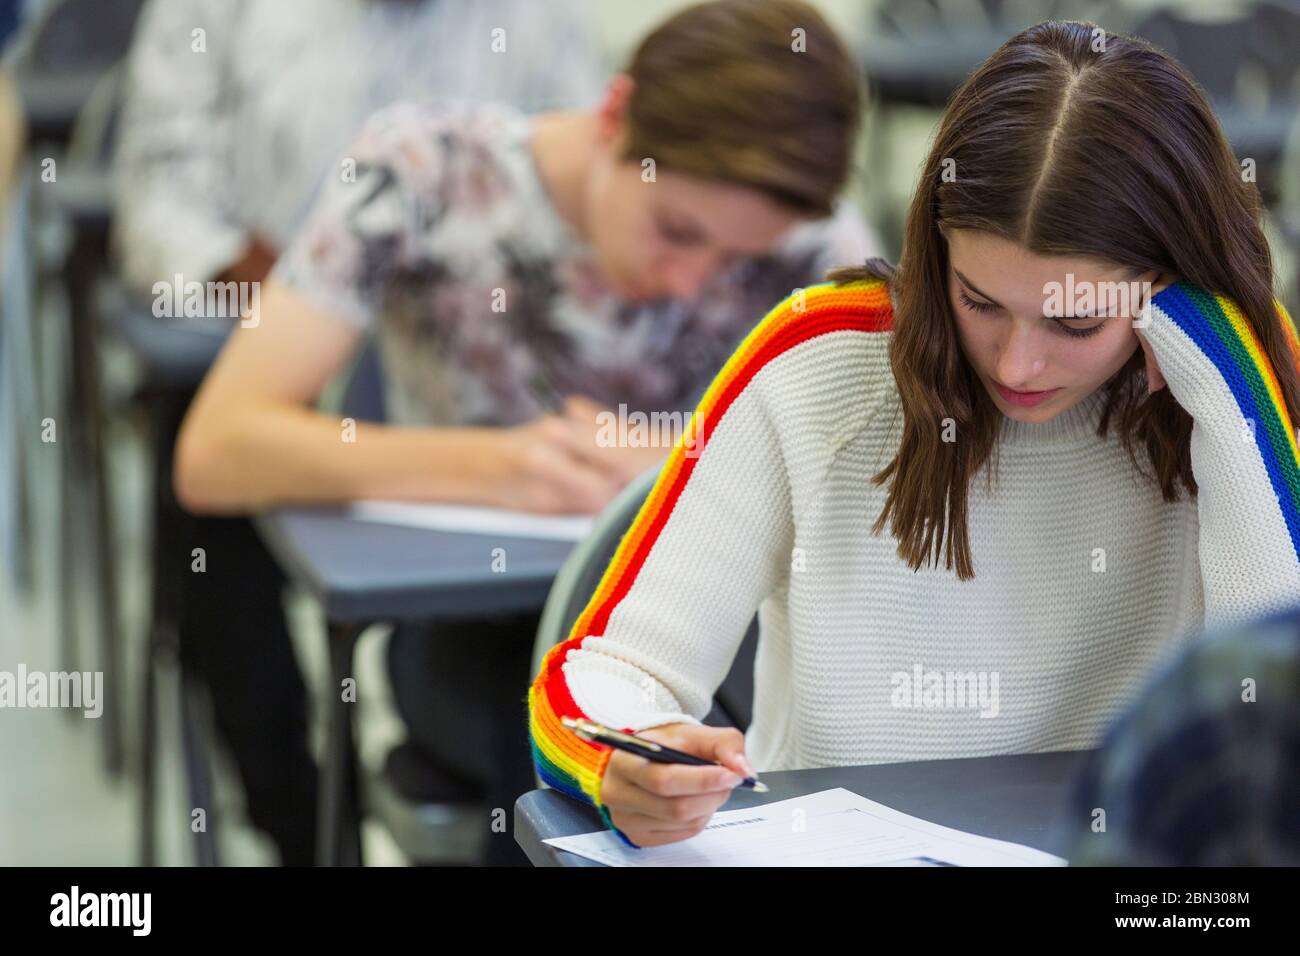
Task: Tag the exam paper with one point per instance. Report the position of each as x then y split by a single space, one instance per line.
468 519
831 828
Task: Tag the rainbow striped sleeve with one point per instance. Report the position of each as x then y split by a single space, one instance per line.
1247 463
564 761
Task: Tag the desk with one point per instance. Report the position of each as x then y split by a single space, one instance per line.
53 99
85 194
1014 797
363 573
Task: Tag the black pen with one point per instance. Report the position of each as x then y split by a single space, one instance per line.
590 730
550 398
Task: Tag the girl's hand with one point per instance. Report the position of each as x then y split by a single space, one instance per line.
657 803
1155 378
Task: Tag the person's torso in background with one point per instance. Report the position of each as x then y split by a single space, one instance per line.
303 75
488 306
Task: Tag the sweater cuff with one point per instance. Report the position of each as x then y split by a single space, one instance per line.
564 761
582 785
1243 449
1215 367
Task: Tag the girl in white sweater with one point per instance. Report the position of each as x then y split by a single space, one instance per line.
973 501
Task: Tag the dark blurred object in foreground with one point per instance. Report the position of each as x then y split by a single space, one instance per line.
1204 768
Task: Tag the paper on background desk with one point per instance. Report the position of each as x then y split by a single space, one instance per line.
468 519
839 828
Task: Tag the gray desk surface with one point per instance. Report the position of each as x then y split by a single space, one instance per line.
1016 798
51 100
84 192
363 571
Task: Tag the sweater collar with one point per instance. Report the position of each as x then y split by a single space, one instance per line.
1075 423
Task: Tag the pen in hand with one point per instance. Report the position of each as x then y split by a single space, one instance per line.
651 750
549 397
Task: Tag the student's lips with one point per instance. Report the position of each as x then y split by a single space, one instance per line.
1025 399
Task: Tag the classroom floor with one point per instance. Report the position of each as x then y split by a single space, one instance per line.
58 806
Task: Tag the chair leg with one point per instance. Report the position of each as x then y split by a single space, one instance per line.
69 469
110 624
79 271
24 571
195 740
339 842
162 641
160 646
148 756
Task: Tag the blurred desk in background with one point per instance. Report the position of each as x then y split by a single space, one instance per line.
363 573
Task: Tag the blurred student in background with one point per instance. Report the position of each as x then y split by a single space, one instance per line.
235 111
13 143
1203 769
13 131
13 136
522 275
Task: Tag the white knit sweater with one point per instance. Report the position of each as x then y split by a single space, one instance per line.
1084 577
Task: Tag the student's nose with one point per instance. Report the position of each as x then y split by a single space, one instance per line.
1022 358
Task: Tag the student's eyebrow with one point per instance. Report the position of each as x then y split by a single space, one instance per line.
971 285
1132 274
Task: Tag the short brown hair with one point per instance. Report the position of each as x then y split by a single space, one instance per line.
721 92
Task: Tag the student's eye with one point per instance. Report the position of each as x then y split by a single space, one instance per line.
975 306
1080 333
676 234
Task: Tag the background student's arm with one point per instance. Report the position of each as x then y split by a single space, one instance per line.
251 439
1243 451
13 139
174 154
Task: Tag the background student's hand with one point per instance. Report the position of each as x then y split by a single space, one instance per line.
551 464
627 461
658 803
556 464
1155 378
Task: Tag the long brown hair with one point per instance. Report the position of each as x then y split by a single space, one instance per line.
1067 145
758 93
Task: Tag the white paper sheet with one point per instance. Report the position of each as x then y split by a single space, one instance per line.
831 828
474 520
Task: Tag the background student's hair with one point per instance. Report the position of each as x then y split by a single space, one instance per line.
721 93
1066 149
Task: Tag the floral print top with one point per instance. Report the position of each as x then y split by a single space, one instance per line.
438 237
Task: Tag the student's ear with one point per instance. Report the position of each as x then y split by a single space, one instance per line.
611 113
